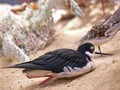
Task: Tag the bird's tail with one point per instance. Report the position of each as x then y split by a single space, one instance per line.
27 65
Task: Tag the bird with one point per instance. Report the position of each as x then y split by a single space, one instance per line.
103 31
60 63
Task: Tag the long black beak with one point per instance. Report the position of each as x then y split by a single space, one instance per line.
102 53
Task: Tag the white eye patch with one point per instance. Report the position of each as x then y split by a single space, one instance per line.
92 48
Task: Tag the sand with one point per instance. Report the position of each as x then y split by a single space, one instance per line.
106 75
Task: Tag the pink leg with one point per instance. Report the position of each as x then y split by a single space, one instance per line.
32 76
46 80
49 77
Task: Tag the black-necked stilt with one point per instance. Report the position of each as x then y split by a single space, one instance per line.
60 63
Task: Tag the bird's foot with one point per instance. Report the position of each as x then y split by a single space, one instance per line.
49 77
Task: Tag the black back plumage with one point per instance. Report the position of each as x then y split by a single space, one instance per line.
56 60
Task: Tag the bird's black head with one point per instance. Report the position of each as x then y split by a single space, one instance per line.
86 47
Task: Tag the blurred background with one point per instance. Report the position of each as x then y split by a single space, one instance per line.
13 2
67 29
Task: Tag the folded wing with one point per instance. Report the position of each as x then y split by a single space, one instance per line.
55 61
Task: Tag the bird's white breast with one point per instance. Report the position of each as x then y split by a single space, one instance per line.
76 71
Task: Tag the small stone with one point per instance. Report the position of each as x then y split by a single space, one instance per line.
114 61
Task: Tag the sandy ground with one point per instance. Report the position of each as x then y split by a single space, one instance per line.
106 76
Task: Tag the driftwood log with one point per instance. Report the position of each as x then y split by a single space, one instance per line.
104 30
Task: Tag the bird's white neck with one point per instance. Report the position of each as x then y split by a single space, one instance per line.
89 54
